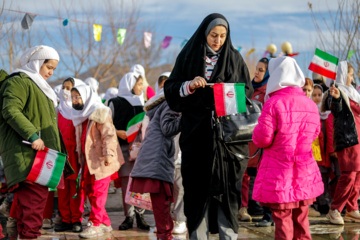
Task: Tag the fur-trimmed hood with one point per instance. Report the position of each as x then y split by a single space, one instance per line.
100 115
154 101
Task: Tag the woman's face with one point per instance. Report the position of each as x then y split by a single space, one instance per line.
317 95
260 72
307 90
216 37
137 89
350 77
67 85
47 69
77 101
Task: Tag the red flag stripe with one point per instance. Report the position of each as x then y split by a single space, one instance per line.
318 69
219 99
37 166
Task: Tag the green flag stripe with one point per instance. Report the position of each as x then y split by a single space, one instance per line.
240 97
138 118
327 57
59 166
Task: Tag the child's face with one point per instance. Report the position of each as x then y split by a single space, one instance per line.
307 90
317 95
350 77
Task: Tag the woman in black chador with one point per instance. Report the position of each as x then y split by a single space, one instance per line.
211 175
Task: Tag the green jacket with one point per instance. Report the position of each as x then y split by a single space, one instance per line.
26 114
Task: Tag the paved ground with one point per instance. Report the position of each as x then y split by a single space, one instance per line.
320 229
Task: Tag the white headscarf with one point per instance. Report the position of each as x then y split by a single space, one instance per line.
65 106
341 78
166 74
57 90
31 62
126 85
91 103
111 93
323 115
93 83
139 69
284 72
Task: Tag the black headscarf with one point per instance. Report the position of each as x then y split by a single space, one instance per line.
190 63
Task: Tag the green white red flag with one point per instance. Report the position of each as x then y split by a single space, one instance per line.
133 126
47 168
324 64
229 98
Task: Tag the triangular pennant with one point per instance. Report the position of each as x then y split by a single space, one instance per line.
147 39
27 21
351 52
166 42
97 32
183 43
65 22
239 49
121 35
250 52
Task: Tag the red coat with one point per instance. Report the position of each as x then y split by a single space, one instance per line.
259 95
67 130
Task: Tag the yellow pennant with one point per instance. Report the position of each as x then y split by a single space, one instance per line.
97 32
250 52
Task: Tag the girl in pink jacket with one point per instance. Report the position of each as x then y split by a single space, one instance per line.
288 177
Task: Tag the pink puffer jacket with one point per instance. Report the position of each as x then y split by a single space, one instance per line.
288 124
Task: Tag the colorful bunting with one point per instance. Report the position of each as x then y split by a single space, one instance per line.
293 54
239 49
351 52
250 52
27 21
184 43
147 39
166 42
121 35
65 22
97 32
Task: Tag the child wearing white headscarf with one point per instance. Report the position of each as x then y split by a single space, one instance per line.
148 92
345 108
288 177
98 152
27 106
128 103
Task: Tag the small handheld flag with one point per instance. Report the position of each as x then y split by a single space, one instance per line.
229 98
47 168
133 126
324 64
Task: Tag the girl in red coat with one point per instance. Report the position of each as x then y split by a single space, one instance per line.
70 208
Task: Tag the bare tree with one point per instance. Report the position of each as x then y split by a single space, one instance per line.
338 31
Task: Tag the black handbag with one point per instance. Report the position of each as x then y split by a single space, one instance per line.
239 127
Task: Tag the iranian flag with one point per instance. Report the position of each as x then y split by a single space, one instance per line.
133 126
47 168
324 64
229 98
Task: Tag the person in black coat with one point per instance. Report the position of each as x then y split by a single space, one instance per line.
212 176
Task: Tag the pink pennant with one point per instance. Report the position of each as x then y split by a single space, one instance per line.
147 39
166 42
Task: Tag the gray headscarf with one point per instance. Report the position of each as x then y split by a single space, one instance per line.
212 24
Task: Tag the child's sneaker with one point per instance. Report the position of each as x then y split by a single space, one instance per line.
179 228
244 215
353 216
335 217
106 229
47 223
91 231
11 223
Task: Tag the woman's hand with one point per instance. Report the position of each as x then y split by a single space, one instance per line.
333 154
197 82
334 92
121 134
38 144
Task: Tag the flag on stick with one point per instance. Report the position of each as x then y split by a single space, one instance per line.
133 126
47 168
324 64
229 98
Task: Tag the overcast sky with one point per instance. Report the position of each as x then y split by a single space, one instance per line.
253 23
